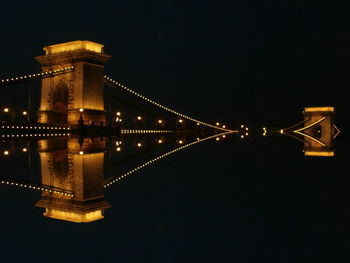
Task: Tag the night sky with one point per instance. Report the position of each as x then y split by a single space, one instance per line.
256 62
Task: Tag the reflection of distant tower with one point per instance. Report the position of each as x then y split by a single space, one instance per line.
76 167
317 131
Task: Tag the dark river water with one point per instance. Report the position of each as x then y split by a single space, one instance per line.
190 199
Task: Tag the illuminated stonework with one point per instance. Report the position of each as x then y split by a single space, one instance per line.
63 95
77 166
317 131
73 46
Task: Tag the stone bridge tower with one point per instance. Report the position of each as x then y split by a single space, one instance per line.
79 92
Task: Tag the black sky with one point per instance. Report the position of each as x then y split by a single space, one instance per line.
256 62
246 61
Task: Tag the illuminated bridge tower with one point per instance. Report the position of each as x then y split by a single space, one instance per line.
78 92
76 167
317 131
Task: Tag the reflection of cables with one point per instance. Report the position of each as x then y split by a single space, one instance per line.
110 181
42 188
115 83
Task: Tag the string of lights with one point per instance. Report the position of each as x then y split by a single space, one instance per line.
119 85
110 181
33 135
144 131
36 187
34 76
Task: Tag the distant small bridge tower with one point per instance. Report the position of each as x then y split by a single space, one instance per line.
317 131
77 93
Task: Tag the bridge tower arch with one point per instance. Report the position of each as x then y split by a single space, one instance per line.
78 92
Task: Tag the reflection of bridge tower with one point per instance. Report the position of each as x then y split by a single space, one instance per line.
77 167
63 95
317 131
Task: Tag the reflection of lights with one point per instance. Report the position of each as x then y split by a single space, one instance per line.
6 152
81 152
24 150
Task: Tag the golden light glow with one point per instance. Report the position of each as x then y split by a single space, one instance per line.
242 136
242 126
6 109
160 121
139 118
119 149
81 152
24 150
180 120
6 152
314 153
218 123
72 46
118 113
281 131
81 109
224 136
83 217
224 126
160 141
180 142
24 113
313 109
217 139
139 144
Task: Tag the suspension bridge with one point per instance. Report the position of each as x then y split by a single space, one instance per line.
72 103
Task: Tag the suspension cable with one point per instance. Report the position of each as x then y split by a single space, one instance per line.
112 82
112 180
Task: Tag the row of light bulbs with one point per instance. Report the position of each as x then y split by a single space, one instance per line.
144 131
36 187
34 127
163 107
111 182
33 135
36 75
